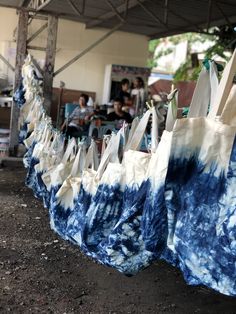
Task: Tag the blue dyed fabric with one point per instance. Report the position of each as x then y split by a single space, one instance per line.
31 174
23 133
28 155
58 214
102 215
19 96
154 220
124 248
77 220
201 205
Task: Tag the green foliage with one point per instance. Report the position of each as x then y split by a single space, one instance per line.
219 45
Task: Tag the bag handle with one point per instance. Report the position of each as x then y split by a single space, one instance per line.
110 154
69 153
228 115
134 125
224 88
79 160
91 156
204 92
172 109
105 141
201 96
137 137
156 118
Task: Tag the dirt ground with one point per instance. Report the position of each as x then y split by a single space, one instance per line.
41 273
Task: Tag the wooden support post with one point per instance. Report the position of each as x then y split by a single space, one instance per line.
50 61
22 32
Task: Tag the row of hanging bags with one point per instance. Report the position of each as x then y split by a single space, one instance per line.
51 156
77 221
124 248
154 219
66 197
200 192
106 204
34 154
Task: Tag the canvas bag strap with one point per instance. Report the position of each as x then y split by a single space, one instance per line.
69 151
77 162
224 88
91 160
110 154
136 139
228 115
134 125
154 131
204 92
141 128
105 141
201 96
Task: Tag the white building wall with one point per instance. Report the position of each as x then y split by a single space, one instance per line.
88 72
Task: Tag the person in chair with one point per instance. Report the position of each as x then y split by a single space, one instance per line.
118 113
78 122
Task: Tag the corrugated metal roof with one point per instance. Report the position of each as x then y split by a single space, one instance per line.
153 18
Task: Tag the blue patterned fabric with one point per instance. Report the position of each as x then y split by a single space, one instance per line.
102 215
202 219
28 155
124 248
19 96
23 133
77 220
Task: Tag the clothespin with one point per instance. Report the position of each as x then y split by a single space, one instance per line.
206 63
150 104
172 93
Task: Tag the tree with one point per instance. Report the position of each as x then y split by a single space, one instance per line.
220 41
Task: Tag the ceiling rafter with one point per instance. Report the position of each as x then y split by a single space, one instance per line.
39 4
120 17
120 9
150 13
74 7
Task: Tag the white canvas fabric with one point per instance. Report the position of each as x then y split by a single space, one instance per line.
199 192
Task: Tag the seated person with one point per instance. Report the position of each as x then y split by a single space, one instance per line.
118 113
77 122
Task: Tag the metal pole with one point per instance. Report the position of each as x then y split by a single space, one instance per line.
88 49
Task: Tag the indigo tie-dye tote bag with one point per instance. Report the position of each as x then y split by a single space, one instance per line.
66 197
123 248
89 185
106 205
154 219
200 192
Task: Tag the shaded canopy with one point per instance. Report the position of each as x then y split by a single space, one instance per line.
153 18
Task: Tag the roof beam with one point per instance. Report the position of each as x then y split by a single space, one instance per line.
150 13
120 17
223 14
40 30
81 54
6 62
120 9
24 3
38 4
194 26
74 7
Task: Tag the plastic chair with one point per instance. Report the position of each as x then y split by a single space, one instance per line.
69 108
